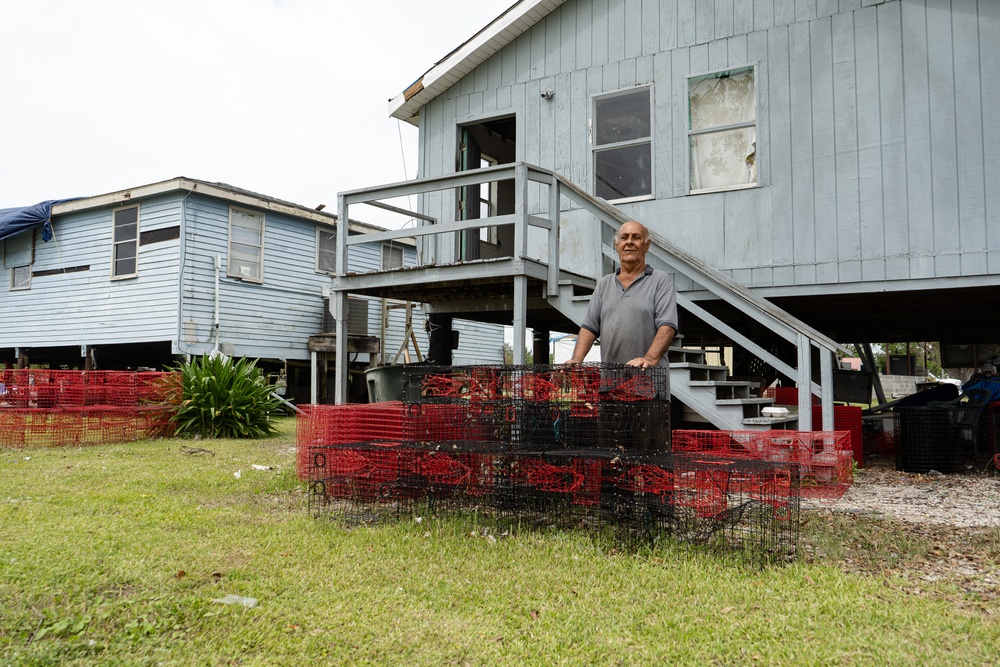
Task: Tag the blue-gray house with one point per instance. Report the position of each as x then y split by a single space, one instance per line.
814 172
145 276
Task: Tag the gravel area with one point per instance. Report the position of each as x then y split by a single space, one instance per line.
968 500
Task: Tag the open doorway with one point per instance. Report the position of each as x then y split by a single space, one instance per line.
485 144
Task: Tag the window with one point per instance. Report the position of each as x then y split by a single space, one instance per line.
623 165
392 257
326 250
20 277
723 133
126 242
246 245
18 256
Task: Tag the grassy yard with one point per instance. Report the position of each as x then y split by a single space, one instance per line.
117 555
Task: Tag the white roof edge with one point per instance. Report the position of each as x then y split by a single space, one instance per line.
220 190
500 32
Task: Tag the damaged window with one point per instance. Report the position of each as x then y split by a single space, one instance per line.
326 250
723 130
246 245
18 256
392 257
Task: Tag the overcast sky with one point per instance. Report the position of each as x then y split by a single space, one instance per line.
288 98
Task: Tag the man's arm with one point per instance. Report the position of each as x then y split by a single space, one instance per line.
658 348
584 341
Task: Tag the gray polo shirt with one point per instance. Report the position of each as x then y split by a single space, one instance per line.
626 320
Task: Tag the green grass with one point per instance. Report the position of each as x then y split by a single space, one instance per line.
113 555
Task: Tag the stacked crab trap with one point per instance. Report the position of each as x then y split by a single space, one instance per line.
585 445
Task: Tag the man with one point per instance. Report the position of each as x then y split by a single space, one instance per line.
634 313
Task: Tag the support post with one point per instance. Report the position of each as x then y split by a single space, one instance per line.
805 383
520 318
520 214
313 378
826 358
339 303
553 269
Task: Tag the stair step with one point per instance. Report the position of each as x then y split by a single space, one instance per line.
770 421
744 401
722 383
702 367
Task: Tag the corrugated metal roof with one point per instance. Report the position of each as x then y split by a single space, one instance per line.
449 70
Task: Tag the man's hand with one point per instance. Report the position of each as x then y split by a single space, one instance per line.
641 362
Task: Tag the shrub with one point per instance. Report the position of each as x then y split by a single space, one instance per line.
224 398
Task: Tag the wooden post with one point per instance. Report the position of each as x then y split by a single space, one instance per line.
540 346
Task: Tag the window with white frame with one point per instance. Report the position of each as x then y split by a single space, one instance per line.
124 261
392 257
20 277
326 250
722 108
622 145
18 256
246 245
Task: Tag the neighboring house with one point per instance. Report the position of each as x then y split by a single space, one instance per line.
149 275
837 158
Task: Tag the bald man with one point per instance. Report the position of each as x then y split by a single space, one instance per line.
633 311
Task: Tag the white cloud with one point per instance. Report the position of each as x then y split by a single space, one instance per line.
288 98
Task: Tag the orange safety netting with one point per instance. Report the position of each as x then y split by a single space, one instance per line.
825 458
55 408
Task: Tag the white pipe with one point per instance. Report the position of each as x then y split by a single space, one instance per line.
218 267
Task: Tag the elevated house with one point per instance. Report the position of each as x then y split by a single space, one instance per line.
146 276
813 173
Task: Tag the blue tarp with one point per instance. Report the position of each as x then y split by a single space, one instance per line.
13 221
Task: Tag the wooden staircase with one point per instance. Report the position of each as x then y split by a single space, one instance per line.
710 396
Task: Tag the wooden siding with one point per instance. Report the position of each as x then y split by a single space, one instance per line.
88 307
271 320
878 128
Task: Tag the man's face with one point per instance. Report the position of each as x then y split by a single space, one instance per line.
631 243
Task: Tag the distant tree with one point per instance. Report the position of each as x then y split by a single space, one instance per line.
927 354
508 355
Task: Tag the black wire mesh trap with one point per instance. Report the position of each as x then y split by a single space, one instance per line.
520 446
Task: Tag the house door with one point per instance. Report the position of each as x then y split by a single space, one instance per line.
485 144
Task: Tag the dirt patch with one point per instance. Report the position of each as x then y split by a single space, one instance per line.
928 534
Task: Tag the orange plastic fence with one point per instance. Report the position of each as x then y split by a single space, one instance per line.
825 458
41 408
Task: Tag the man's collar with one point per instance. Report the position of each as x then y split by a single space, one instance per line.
648 270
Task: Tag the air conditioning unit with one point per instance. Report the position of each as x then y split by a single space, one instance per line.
357 317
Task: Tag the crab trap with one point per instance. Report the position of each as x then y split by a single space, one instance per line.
585 446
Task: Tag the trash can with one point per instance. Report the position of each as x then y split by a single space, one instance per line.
385 383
